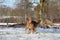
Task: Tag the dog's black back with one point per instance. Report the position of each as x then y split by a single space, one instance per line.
34 23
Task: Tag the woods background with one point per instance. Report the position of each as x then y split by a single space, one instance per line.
25 8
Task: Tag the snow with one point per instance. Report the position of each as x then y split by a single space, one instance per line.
19 34
8 23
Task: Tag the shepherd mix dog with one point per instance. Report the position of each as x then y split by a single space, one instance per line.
31 25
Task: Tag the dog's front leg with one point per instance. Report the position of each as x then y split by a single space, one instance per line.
34 30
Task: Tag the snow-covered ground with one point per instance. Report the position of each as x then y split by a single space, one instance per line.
19 34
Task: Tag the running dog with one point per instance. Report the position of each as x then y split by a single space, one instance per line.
31 25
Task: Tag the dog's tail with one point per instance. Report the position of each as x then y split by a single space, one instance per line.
39 21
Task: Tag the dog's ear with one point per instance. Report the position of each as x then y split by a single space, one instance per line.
26 18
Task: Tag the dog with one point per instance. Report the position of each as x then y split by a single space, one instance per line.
31 25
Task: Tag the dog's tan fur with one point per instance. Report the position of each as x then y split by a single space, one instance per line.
30 26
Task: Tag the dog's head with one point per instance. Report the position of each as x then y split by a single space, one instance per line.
29 19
